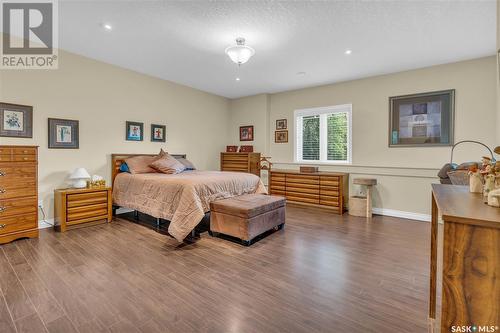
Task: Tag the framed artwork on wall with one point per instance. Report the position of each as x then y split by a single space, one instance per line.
422 120
281 137
63 134
16 120
246 133
281 124
134 131
158 133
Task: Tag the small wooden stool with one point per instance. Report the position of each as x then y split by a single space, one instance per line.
359 205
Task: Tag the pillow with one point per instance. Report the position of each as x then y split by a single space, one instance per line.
168 164
140 164
187 163
124 167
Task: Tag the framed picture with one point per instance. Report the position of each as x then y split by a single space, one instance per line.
63 134
281 124
246 133
16 120
281 136
422 120
158 133
134 131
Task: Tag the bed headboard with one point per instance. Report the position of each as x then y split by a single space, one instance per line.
118 159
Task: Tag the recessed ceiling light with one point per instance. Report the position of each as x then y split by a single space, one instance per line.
107 26
348 51
301 73
237 79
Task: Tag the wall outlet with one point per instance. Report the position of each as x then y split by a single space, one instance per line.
40 203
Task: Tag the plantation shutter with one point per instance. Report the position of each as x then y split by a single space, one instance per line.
337 129
310 138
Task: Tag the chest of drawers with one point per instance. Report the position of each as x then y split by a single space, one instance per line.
240 162
76 208
323 189
18 192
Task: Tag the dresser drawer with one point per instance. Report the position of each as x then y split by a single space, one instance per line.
18 223
5 151
302 179
5 158
71 198
22 188
85 215
24 151
18 207
24 158
19 172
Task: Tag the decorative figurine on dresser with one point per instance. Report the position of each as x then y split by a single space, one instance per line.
18 192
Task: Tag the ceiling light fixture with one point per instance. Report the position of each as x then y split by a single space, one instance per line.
348 51
237 79
240 53
107 26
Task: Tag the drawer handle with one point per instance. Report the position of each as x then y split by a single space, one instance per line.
3 209
2 173
2 226
25 151
2 190
25 158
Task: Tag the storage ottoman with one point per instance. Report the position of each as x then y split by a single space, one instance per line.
247 216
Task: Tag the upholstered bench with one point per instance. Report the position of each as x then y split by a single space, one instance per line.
247 216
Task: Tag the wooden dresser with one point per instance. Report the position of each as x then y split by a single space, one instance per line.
471 261
323 189
18 192
76 207
240 162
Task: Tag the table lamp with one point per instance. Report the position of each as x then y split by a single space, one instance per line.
79 177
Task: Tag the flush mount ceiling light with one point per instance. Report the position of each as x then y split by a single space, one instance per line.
107 26
348 51
240 53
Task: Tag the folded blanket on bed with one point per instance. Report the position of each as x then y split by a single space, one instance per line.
181 198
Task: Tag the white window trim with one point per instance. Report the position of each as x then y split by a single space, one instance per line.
322 112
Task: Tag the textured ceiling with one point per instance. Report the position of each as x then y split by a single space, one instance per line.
184 41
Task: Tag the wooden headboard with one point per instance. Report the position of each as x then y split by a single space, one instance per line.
118 159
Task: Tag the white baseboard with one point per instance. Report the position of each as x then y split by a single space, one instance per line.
43 224
402 214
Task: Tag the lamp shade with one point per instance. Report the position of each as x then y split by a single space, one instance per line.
79 173
240 53
79 177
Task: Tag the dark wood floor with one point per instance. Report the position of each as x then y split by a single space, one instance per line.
323 273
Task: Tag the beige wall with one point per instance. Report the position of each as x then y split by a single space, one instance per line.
404 174
102 97
253 110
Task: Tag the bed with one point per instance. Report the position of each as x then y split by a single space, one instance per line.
183 198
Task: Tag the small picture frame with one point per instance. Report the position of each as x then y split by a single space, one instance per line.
158 133
281 136
246 133
134 131
63 134
16 120
281 124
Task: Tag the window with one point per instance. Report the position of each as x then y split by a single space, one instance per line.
323 134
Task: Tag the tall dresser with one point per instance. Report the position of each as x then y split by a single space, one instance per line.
321 189
18 192
240 162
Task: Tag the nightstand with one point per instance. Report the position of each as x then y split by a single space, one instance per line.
75 208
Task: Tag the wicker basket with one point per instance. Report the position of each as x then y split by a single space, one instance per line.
459 177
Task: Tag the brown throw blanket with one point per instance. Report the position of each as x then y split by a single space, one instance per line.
182 198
